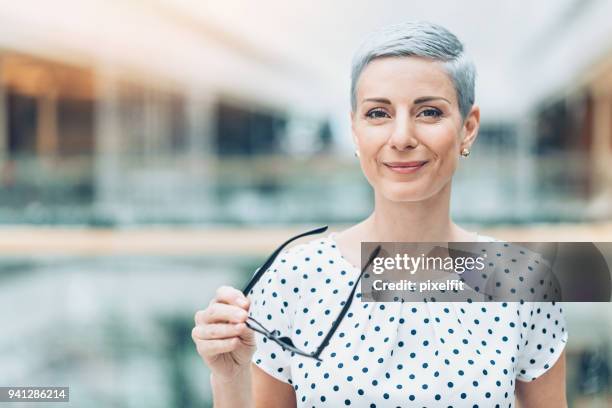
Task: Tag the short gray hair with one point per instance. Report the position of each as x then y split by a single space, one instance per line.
419 39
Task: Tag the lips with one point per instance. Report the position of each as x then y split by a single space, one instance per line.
405 167
406 164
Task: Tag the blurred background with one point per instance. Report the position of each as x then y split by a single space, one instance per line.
152 150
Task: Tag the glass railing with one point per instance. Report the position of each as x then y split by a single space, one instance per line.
491 186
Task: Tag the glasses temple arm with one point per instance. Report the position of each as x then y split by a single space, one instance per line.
270 335
272 257
345 308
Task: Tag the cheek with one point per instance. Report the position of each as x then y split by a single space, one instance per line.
364 130
371 141
442 141
371 138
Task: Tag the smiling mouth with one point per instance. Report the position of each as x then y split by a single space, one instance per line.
405 167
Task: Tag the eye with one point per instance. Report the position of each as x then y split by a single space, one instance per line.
431 112
376 114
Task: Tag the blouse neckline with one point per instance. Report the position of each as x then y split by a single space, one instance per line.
336 248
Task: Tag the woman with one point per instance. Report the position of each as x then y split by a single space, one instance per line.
413 117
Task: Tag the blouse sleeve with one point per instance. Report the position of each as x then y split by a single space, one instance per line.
544 336
273 300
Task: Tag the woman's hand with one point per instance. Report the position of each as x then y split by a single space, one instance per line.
221 336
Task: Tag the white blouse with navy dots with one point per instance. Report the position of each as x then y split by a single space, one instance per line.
396 354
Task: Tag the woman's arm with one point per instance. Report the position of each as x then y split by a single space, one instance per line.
547 391
270 392
236 392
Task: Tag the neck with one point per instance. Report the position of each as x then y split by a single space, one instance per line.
413 221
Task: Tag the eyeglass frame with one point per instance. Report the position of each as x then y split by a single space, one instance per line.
285 342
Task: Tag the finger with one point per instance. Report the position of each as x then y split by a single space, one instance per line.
207 348
232 296
218 331
221 313
212 301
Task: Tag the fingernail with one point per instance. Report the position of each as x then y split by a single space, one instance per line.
243 302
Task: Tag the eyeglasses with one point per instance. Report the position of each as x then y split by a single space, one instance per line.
285 342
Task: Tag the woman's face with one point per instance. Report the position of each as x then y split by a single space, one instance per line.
408 128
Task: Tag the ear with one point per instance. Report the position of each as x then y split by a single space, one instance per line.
470 128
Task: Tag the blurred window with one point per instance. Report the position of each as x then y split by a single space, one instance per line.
243 131
22 124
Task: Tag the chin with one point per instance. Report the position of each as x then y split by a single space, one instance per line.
401 192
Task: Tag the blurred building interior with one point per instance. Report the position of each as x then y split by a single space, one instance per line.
124 126
204 115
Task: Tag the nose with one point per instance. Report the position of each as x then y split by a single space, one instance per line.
403 136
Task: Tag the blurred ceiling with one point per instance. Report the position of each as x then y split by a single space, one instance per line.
297 53
510 41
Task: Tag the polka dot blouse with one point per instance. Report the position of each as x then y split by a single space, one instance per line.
396 354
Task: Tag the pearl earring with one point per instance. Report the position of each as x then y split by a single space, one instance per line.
465 152
356 153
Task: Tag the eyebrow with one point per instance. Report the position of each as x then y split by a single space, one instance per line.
379 100
422 99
